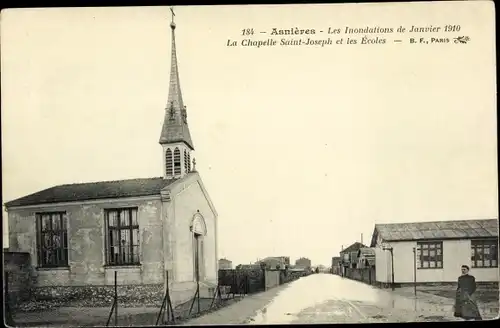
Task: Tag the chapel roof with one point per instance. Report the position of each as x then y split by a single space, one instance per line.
94 190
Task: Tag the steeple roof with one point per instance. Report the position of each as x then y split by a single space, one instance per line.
175 127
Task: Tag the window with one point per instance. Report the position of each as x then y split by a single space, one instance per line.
122 231
52 240
484 253
177 161
430 255
189 162
168 161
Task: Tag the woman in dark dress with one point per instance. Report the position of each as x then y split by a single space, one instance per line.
465 302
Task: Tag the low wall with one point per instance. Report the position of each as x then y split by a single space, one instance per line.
272 279
18 273
366 275
288 276
100 296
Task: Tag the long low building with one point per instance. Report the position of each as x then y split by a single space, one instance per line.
433 252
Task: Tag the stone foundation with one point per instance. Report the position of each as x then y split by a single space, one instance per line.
94 296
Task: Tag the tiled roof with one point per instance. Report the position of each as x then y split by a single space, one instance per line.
437 230
94 190
353 248
366 251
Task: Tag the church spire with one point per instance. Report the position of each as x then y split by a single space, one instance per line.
175 128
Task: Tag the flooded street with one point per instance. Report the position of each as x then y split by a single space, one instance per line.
326 298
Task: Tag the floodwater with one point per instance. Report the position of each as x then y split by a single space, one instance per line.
322 298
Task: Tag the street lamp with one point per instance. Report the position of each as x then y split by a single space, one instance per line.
387 247
415 271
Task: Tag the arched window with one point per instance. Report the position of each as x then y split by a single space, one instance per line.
186 161
177 161
168 161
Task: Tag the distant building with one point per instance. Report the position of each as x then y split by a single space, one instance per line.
336 265
366 257
274 261
225 264
349 256
441 248
322 268
303 263
248 266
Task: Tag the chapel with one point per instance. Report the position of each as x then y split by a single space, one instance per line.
148 230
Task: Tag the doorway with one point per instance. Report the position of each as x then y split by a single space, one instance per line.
199 266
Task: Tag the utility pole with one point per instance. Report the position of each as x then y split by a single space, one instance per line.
414 271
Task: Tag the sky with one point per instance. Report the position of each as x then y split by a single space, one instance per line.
302 149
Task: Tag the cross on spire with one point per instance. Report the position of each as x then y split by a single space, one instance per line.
175 128
172 24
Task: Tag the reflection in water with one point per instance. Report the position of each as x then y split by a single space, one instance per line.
311 291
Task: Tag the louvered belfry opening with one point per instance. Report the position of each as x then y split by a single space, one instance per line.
169 162
177 161
186 161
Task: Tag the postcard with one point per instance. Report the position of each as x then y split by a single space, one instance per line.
257 164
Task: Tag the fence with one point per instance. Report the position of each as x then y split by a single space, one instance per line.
18 268
114 307
366 275
250 281
242 281
166 305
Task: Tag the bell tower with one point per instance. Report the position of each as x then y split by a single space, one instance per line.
175 138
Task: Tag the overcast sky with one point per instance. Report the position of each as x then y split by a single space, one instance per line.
302 149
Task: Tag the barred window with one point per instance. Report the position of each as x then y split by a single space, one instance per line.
189 162
168 161
484 253
177 161
186 161
122 246
430 255
52 240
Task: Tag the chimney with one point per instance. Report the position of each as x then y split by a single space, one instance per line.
361 238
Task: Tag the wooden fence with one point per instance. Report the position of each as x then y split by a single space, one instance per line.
366 275
246 281
249 281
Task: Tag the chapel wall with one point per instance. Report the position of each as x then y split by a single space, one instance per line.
86 246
